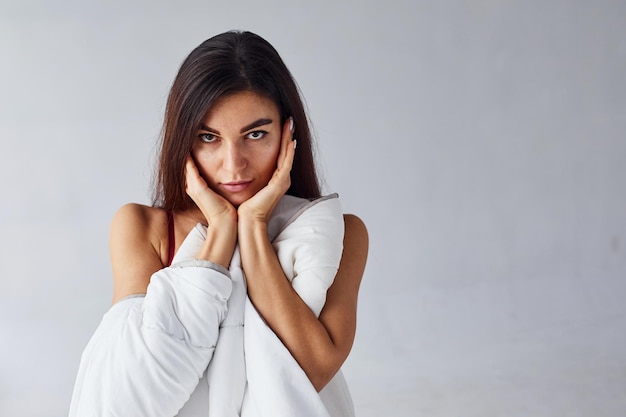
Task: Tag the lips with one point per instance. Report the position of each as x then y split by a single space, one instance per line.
235 186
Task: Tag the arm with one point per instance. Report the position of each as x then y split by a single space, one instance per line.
321 345
136 252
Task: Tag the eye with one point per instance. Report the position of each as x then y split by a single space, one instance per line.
207 137
256 135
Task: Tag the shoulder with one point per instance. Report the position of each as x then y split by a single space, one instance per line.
355 227
356 237
138 220
354 257
139 214
138 243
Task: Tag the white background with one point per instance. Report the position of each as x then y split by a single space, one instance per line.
482 142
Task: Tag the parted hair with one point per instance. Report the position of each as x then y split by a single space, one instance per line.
225 64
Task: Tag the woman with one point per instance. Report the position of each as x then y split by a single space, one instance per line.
236 292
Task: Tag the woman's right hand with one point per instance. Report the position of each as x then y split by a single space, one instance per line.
214 207
220 214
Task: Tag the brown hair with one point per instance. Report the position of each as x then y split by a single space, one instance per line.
230 62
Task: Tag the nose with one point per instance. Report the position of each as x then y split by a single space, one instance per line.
234 158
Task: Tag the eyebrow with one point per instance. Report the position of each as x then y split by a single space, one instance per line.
256 123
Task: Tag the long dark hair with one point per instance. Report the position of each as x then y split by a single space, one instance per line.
230 62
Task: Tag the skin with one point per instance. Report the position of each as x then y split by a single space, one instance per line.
236 174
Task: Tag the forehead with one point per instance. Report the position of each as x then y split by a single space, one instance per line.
240 108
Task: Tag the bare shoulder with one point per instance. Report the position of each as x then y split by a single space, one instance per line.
355 251
136 247
136 222
131 214
355 228
356 238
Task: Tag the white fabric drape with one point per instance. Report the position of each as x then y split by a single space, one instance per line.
194 345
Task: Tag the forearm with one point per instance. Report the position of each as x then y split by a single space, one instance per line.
220 242
304 335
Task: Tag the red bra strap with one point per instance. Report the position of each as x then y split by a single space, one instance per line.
171 246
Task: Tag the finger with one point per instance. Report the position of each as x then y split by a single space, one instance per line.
190 170
282 175
288 153
289 156
286 138
193 179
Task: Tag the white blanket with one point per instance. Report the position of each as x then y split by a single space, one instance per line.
194 345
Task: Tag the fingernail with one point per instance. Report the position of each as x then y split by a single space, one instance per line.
295 143
291 124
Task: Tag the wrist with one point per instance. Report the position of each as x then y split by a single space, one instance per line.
251 221
226 218
220 242
251 227
249 215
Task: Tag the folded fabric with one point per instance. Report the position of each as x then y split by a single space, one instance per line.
194 345
148 353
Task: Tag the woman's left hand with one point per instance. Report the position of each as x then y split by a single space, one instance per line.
259 207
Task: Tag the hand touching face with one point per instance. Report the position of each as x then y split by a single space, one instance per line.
237 147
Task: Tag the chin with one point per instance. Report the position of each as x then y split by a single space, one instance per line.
237 200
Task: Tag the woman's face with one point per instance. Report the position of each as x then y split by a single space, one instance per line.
237 146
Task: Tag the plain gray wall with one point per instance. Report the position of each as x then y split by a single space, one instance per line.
482 143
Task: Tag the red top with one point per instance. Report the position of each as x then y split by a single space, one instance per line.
171 238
